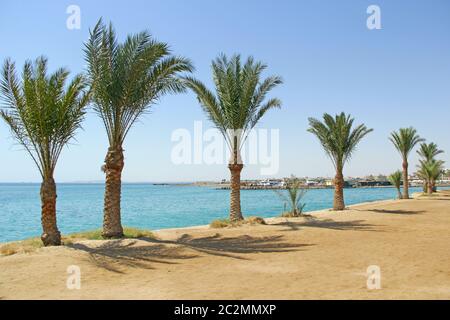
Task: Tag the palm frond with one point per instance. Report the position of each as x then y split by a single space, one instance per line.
42 113
127 78
405 140
238 102
338 137
429 151
396 178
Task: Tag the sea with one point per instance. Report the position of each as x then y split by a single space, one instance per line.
150 206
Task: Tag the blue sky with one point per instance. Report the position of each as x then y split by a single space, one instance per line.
329 60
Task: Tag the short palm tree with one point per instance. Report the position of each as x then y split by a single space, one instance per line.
428 153
126 79
293 197
430 171
339 140
43 114
404 141
396 180
235 108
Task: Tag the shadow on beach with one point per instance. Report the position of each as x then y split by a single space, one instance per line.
115 254
355 225
400 212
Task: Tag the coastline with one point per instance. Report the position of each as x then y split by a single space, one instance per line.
207 226
298 258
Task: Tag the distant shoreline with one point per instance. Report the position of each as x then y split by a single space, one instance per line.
214 185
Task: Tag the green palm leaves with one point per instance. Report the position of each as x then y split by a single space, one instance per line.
239 101
42 113
236 106
404 141
396 180
126 80
129 77
293 196
428 151
429 168
338 137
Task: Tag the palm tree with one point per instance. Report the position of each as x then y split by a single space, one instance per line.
339 139
293 197
430 171
43 115
236 107
404 141
126 79
428 153
396 180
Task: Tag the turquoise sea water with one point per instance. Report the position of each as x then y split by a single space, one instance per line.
79 206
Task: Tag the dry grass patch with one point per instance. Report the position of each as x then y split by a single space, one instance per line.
32 244
129 233
24 246
289 214
226 223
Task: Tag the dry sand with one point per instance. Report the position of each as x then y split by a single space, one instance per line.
323 258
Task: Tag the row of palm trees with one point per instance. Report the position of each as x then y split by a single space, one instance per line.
122 82
429 169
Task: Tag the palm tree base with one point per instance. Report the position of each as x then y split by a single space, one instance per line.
53 239
116 235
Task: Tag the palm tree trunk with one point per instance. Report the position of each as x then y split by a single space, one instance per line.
50 235
399 193
114 162
235 196
430 188
338 203
405 180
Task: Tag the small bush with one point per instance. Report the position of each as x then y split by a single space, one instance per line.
255 220
220 223
292 197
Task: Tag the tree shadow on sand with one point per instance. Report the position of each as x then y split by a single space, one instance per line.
356 225
114 254
400 212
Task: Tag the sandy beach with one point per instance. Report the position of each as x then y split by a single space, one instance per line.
321 258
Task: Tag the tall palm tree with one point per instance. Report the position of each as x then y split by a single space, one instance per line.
428 153
339 139
396 180
126 79
236 107
404 141
430 171
43 115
